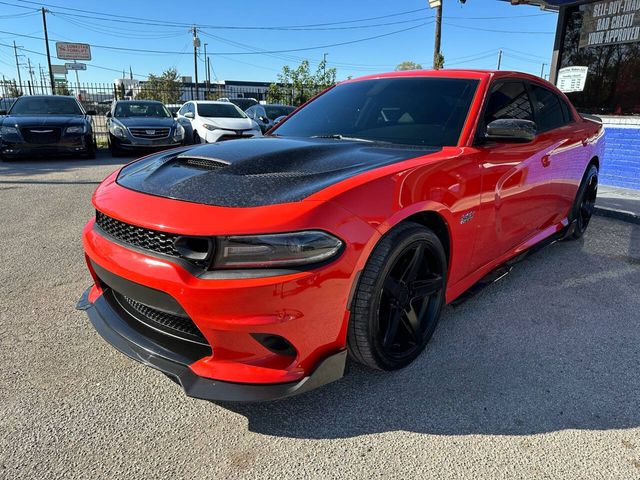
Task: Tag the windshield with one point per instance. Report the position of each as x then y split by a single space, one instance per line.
46 106
141 109
220 110
410 111
275 111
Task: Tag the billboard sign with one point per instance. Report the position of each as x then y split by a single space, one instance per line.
572 79
610 23
73 51
58 69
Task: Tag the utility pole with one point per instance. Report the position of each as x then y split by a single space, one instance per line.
15 52
206 76
30 70
438 36
499 59
196 44
46 43
324 65
542 71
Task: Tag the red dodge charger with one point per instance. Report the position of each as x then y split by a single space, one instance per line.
248 270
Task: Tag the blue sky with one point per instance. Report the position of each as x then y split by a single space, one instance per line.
472 35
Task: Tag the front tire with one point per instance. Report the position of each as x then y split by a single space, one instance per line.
399 298
585 202
196 138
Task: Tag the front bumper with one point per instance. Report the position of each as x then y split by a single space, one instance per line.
113 327
66 146
143 144
218 135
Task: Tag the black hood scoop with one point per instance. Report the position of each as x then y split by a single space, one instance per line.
258 172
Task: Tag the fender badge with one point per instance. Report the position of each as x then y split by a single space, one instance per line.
466 217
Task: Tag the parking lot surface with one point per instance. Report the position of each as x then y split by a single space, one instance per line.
536 377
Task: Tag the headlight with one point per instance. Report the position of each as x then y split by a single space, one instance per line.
277 250
76 129
210 126
178 133
118 130
4 131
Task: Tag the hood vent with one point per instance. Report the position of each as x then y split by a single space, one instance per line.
202 163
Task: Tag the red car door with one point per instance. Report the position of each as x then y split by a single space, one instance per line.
516 202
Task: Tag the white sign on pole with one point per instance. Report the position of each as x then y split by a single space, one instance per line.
572 79
73 51
435 3
76 66
58 69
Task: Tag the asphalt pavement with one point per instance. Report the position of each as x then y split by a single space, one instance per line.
536 377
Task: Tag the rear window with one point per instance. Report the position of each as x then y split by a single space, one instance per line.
549 113
220 110
409 111
46 106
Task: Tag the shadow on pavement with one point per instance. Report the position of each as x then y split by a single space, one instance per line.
39 166
552 346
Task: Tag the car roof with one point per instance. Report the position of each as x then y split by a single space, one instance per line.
451 73
138 101
214 102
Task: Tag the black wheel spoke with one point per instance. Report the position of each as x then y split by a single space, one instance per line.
414 265
411 321
427 287
393 288
392 327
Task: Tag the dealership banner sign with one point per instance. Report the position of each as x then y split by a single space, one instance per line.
73 51
609 23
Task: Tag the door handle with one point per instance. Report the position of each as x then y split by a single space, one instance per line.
546 160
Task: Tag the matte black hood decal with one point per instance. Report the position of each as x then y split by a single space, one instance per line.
257 172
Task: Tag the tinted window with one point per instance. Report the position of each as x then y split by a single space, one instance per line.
412 111
508 100
549 113
220 110
46 106
141 109
275 111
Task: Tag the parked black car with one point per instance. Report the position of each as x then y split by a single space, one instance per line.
135 125
242 103
265 115
39 125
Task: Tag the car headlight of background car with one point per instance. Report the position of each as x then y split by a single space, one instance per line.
76 129
276 250
210 126
178 132
8 131
118 130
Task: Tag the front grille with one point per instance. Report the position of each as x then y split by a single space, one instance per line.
222 138
175 325
41 135
150 132
153 240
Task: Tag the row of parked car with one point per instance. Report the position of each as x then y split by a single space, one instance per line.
45 124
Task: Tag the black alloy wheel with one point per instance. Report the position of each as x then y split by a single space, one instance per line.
399 298
585 202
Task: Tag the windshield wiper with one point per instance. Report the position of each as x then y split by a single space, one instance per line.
338 136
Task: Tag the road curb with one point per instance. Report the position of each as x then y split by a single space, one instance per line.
623 215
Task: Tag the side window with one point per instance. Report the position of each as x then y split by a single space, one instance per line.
192 108
260 112
182 110
549 113
509 100
251 112
566 111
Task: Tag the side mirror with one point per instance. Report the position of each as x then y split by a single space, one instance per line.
263 119
279 119
189 115
91 112
3 112
108 115
511 130
175 114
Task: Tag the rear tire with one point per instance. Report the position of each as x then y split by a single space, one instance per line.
584 203
399 298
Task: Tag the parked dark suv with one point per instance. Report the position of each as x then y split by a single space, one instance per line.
39 125
135 125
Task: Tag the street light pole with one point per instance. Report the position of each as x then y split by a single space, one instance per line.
196 44
499 59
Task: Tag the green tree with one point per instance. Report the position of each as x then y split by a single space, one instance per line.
165 88
299 84
408 65
13 91
440 61
62 88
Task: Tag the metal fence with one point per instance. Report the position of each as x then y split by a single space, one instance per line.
99 96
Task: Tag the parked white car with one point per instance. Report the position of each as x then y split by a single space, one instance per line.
217 121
